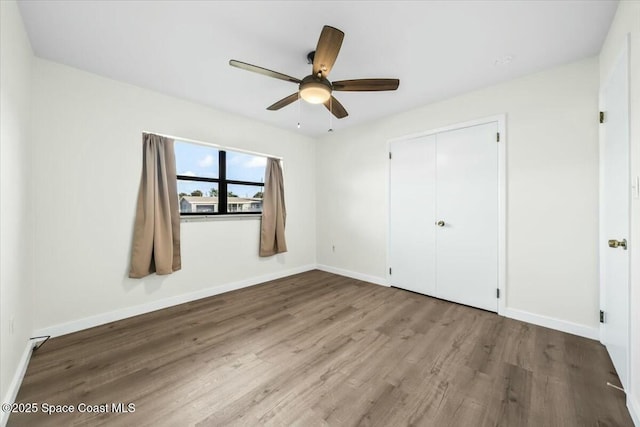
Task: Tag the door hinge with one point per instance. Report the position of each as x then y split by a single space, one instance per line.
601 316
498 137
497 293
601 116
389 271
389 155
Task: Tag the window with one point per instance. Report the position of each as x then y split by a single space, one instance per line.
218 182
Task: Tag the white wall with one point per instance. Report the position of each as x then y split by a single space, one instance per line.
86 169
15 284
627 20
552 177
81 167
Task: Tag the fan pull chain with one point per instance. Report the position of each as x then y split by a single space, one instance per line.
330 115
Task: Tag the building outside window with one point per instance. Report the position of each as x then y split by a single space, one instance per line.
218 182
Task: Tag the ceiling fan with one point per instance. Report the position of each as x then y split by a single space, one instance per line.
316 88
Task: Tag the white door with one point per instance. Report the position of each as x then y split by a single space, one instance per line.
614 220
412 212
467 203
444 215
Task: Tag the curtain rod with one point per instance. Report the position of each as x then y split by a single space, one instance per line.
240 150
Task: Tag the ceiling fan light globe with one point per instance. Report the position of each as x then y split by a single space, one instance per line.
315 93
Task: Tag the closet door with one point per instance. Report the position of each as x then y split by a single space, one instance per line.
467 216
412 214
444 215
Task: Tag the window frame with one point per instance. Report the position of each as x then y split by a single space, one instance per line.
223 184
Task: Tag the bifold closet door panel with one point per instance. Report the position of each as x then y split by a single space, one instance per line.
467 203
412 212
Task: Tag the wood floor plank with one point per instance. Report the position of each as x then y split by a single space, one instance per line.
317 349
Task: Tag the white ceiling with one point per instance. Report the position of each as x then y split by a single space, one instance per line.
437 49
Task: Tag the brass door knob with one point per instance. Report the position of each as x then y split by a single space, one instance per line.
440 223
613 243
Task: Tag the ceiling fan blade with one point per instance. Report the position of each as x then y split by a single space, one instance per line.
283 102
264 71
336 108
327 50
366 85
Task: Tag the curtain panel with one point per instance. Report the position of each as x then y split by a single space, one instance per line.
156 233
274 213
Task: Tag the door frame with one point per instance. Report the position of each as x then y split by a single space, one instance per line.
500 120
602 238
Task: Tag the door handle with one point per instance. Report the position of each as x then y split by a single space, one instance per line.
618 243
440 223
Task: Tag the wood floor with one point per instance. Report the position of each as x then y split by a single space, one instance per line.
319 349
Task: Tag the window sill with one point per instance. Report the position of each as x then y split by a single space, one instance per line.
205 217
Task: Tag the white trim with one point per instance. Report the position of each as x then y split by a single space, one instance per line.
602 295
502 212
634 410
10 397
112 316
501 121
500 118
205 217
354 275
209 144
590 332
512 313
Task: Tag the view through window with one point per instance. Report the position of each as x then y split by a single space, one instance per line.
218 182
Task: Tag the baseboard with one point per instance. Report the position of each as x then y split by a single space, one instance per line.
553 323
524 316
354 275
10 397
634 409
536 319
112 316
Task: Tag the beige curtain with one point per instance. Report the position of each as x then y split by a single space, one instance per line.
274 213
156 233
